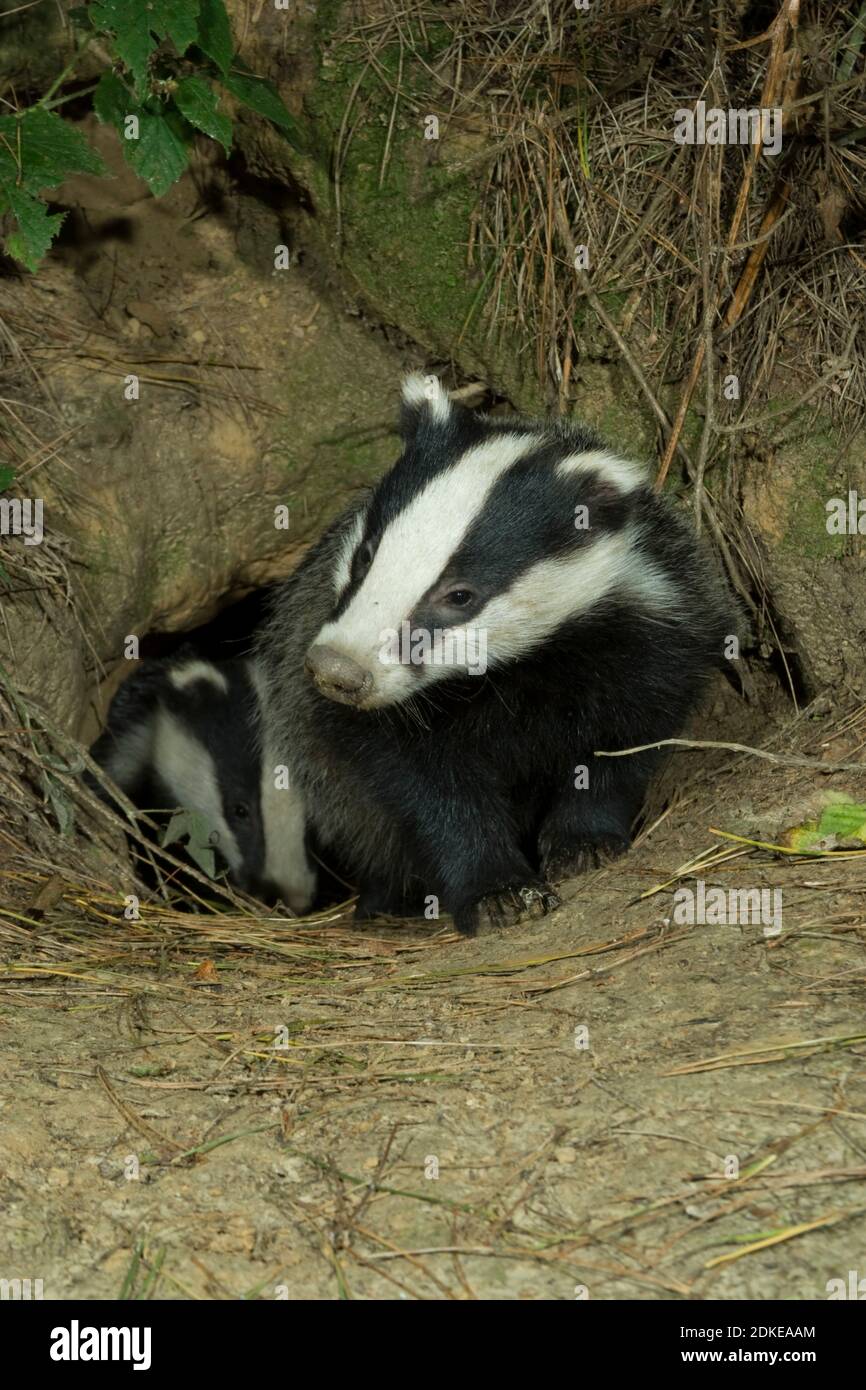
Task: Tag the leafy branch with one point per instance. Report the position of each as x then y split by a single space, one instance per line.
168 65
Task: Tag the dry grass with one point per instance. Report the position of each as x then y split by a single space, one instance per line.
575 113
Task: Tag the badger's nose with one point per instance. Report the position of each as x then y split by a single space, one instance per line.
338 676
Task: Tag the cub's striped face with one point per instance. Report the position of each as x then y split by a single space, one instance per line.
484 538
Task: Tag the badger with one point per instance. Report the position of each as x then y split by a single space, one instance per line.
448 660
188 732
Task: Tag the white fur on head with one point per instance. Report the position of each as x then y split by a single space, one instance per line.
427 392
191 671
624 475
554 590
348 546
411 555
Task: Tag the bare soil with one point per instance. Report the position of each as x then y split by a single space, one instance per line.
240 1107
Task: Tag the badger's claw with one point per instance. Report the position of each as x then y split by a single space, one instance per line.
504 909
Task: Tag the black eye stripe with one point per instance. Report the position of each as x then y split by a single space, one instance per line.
365 553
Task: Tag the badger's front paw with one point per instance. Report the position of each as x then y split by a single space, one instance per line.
504 909
566 860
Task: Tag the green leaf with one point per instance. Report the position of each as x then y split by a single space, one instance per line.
261 97
113 102
139 25
198 102
161 153
196 829
7 476
39 149
55 792
37 228
215 34
844 818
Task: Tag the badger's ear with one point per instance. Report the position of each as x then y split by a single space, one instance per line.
424 402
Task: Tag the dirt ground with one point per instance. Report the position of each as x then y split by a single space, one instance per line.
223 1108
605 1103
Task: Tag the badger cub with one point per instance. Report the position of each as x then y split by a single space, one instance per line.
447 660
186 732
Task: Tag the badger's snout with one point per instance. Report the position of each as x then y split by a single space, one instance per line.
338 676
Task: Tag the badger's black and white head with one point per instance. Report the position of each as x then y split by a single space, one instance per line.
485 539
186 734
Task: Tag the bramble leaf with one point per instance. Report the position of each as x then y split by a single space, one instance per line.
37 228
262 98
139 25
198 101
161 153
38 150
215 34
113 102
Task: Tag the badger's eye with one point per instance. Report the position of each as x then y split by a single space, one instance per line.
241 810
459 598
364 556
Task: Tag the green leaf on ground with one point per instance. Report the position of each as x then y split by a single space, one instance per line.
198 101
843 818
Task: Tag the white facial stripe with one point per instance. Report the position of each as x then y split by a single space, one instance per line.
343 567
417 544
188 771
421 390
553 591
193 671
622 473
